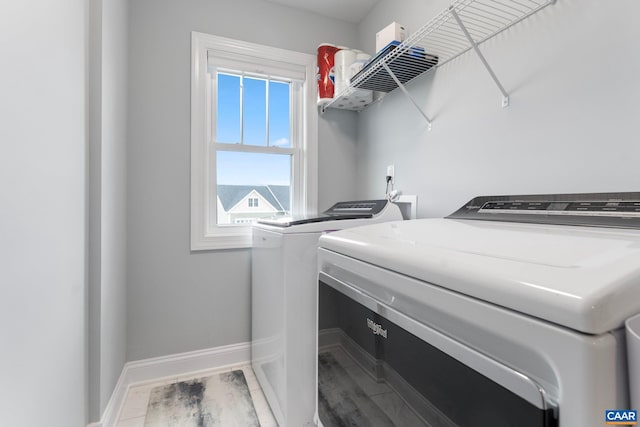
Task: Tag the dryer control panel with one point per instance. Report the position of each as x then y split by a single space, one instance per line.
588 209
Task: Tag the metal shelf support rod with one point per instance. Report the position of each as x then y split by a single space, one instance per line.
474 45
406 92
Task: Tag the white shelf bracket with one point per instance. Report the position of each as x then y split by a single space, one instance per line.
406 92
474 45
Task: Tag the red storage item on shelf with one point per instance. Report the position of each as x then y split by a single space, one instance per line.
325 72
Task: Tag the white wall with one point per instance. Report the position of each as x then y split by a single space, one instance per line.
107 290
43 212
572 72
180 301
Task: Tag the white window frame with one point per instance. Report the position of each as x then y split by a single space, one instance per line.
205 233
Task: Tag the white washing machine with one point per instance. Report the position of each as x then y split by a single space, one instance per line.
284 277
510 312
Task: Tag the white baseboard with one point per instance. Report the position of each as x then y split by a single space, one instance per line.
157 368
112 411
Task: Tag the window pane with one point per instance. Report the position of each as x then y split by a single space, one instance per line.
228 120
255 112
252 186
279 114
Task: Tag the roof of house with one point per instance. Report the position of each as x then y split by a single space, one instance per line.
282 193
277 195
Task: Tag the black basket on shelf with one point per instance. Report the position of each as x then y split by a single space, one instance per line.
406 66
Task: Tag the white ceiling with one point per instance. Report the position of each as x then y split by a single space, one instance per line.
347 10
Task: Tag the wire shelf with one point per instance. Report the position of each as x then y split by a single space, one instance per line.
405 67
448 35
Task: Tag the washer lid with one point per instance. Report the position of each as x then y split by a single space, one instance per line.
339 216
358 209
585 278
288 222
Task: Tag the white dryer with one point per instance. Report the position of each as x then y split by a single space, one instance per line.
284 299
510 312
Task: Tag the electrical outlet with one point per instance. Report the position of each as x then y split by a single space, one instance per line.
391 171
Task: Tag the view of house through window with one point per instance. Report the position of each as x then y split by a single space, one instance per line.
252 134
252 186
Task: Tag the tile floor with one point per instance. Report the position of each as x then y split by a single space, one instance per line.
134 409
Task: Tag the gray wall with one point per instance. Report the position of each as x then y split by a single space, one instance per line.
107 218
180 301
43 213
114 148
572 71
338 131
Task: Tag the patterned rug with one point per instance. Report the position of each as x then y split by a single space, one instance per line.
221 400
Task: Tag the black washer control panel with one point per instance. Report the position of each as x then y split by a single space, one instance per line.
341 210
367 208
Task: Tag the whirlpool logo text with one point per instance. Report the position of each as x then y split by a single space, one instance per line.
376 328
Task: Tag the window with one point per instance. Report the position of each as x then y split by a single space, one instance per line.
253 138
252 112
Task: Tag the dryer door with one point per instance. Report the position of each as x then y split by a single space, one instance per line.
377 367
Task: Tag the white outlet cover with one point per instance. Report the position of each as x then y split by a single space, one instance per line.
391 172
